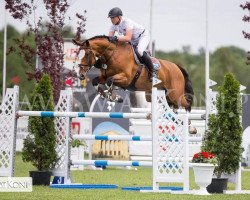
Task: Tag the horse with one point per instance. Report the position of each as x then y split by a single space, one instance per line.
119 68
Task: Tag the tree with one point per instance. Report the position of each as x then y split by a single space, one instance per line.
40 144
246 18
48 38
224 134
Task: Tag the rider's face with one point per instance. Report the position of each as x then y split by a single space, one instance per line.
115 20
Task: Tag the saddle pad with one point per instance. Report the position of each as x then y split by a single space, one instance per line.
156 63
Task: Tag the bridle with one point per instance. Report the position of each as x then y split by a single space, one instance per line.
89 58
91 54
89 63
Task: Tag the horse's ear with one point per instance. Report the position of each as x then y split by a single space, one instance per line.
77 42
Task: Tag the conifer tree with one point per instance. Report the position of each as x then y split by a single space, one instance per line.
224 135
40 144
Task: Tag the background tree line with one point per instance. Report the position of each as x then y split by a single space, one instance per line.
222 60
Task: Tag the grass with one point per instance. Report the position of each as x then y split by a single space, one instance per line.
120 177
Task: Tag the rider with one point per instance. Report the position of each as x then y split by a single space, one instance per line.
130 31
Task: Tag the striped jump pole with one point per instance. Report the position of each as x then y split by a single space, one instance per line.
112 163
113 137
84 114
127 138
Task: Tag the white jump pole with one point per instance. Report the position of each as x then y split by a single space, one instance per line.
83 114
112 163
125 137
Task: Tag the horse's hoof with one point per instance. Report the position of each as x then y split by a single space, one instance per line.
118 99
103 97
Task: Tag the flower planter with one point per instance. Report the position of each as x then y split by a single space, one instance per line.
40 177
218 185
203 173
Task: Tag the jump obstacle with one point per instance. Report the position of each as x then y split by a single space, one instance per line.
170 146
170 160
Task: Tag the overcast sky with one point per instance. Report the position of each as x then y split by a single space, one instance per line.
175 22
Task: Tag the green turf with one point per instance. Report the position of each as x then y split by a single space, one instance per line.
120 177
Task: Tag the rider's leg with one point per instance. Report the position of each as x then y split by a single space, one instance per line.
147 61
142 45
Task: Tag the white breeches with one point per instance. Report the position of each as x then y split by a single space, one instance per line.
142 42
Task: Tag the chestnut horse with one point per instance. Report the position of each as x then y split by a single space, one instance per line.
119 68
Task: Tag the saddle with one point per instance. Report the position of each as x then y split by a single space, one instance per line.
138 60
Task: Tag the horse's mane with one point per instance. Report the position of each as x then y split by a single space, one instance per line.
99 37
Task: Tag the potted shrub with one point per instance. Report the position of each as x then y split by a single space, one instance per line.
223 136
203 164
40 144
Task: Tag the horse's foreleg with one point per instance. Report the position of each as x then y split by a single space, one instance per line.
108 94
96 83
111 95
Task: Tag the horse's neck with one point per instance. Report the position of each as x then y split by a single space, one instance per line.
101 46
117 55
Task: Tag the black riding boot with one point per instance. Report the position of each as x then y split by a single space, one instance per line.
148 63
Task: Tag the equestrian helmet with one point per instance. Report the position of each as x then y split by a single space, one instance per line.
115 12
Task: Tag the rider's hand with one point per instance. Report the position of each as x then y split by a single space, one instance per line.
98 64
113 39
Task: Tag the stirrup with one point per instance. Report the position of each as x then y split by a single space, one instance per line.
154 74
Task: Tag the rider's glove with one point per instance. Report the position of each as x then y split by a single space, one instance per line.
113 39
98 64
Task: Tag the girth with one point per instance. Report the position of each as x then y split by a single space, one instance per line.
131 86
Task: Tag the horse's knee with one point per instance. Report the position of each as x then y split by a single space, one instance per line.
110 81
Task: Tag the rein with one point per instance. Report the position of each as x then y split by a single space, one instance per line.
101 56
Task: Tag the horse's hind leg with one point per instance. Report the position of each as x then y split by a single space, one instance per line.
185 104
178 99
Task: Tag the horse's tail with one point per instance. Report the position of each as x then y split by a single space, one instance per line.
189 92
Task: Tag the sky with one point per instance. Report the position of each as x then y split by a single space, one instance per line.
175 23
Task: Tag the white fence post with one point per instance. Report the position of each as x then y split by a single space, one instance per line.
8 126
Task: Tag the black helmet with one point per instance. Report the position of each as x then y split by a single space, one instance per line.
115 12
